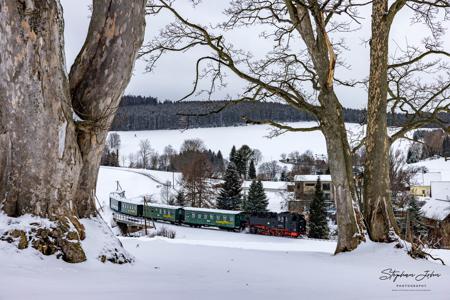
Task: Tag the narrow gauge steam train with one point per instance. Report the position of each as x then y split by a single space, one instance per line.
270 223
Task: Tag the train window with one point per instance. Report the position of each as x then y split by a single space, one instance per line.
211 217
231 218
224 218
193 215
326 186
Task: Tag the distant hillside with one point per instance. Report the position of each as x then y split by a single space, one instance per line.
147 113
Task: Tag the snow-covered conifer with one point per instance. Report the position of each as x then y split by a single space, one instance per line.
230 194
318 227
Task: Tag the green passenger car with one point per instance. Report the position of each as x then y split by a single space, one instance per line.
114 203
164 212
227 219
132 209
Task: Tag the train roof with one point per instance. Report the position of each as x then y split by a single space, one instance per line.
120 197
160 205
213 210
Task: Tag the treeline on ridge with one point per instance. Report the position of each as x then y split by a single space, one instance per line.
147 113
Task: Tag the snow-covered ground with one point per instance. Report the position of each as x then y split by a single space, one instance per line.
212 264
255 136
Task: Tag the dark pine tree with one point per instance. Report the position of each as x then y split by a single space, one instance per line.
446 147
256 200
242 158
414 216
252 170
180 200
318 227
220 164
233 155
230 193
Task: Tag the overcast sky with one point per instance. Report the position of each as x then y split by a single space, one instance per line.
173 76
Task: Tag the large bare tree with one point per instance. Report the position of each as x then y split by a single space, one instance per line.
53 125
402 85
303 59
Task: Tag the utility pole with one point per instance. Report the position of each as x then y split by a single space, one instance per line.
145 219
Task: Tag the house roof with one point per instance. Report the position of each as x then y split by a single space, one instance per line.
425 179
323 178
436 209
440 190
269 185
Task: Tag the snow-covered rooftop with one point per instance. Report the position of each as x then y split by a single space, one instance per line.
134 200
426 178
213 210
323 178
436 209
269 185
440 190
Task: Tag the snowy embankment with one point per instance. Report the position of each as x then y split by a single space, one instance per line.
186 268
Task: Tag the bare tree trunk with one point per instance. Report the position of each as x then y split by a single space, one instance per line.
40 157
97 82
349 219
49 161
378 210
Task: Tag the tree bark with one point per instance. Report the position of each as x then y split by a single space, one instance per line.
40 157
377 209
349 219
97 82
49 162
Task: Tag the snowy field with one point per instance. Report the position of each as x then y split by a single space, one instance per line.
255 136
223 139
